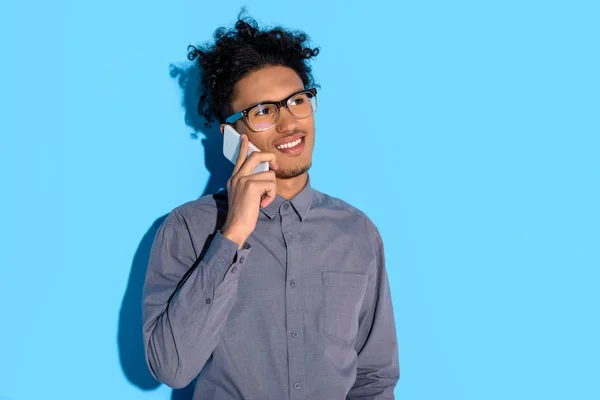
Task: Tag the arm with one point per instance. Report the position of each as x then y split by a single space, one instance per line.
378 367
186 302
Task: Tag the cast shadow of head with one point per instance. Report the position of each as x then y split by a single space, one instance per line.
130 342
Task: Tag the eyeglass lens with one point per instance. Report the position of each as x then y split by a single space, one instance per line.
263 117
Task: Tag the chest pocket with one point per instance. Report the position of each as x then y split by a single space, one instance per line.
343 297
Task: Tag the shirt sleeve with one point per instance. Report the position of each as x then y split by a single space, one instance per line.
378 369
186 302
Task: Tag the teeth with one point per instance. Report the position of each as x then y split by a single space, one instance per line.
289 145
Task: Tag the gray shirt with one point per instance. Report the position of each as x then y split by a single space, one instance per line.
302 311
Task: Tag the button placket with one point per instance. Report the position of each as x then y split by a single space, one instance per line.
293 304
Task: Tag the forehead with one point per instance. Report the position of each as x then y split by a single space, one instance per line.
266 84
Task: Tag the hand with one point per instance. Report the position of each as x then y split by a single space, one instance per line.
248 192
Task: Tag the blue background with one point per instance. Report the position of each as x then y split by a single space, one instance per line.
467 130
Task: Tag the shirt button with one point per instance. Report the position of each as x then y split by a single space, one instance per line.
286 206
295 334
297 386
293 283
208 301
242 259
233 270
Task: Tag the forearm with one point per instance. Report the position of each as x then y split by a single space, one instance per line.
181 334
378 369
376 382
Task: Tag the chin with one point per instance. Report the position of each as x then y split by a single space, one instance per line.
292 172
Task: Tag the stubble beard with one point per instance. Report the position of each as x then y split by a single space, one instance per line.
292 172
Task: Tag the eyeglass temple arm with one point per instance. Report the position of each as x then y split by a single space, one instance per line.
234 117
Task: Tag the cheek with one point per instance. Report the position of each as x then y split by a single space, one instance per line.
309 126
310 129
258 140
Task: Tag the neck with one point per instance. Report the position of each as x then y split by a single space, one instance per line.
288 188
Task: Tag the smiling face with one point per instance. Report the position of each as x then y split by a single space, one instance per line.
292 140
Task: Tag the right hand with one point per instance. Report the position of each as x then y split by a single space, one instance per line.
248 192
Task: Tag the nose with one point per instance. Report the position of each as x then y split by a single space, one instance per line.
286 121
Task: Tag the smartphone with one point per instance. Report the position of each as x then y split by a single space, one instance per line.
232 142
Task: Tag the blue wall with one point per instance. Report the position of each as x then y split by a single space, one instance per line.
473 144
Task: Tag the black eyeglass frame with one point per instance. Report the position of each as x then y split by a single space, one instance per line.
278 104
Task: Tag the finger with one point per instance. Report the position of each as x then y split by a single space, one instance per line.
254 159
267 190
242 156
266 200
259 176
267 197
247 180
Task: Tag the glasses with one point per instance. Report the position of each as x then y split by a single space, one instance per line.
265 115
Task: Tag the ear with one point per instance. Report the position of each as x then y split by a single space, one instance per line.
222 128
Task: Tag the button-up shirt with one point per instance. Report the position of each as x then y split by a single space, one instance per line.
302 311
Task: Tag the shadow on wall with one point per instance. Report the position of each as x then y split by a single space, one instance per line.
130 342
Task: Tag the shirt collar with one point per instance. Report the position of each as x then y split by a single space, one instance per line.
301 203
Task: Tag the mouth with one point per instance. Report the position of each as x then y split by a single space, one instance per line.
293 147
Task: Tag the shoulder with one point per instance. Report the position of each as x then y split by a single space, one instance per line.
201 213
334 207
350 225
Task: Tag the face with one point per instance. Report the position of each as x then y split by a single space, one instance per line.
275 83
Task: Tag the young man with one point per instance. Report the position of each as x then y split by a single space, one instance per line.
270 289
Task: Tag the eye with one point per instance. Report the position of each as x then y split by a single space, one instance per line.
296 101
261 112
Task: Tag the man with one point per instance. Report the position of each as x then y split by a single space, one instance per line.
270 289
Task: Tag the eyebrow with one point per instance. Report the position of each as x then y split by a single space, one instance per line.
273 101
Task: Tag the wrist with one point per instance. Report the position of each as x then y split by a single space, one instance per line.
235 236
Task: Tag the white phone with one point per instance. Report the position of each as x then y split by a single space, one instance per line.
232 141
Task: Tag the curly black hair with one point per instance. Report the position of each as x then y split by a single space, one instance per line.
240 51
